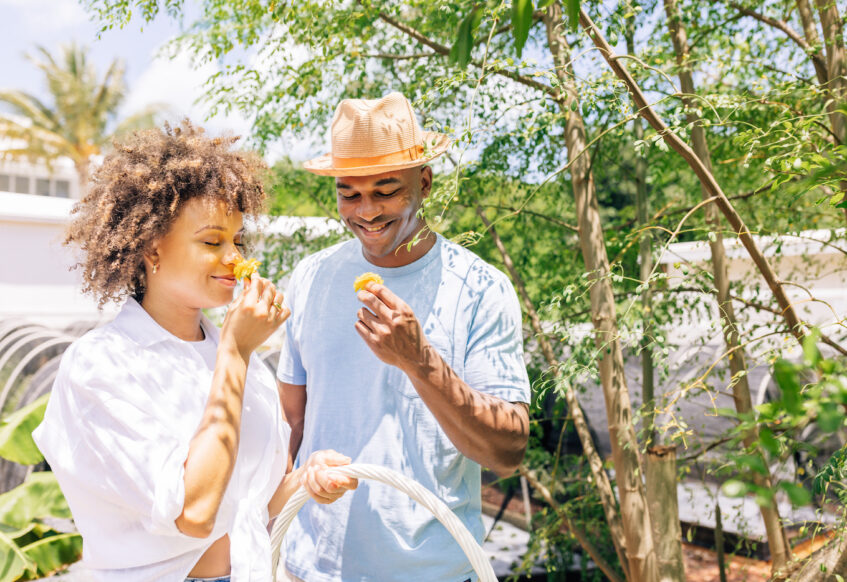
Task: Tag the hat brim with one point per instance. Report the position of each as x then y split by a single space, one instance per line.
323 165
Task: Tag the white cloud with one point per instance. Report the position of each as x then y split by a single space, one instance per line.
47 15
178 84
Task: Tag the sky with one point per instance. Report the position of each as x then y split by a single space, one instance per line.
151 77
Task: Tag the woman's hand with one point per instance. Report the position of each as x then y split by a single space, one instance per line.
323 484
254 315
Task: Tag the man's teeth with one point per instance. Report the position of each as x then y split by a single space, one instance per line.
373 229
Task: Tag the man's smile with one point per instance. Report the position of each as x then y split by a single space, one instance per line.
374 231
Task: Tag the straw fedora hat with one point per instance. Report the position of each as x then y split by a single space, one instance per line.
373 136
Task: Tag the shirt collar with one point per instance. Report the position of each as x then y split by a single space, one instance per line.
134 322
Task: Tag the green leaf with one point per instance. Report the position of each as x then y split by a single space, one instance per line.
460 52
521 23
831 417
55 552
811 354
735 488
768 442
16 442
753 462
13 562
38 497
573 14
798 495
785 373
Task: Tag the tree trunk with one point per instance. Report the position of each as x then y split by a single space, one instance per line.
811 33
635 517
780 551
660 474
795 326
595 463
645 257
83 166
719 542
836 64
664 512
836 68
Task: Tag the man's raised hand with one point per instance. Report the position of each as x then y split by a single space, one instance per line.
389 327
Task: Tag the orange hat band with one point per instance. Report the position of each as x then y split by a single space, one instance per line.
408 155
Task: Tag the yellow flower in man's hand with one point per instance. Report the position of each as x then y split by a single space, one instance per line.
245 268
362 281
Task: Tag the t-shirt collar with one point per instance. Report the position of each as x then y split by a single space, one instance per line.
412 267
134 322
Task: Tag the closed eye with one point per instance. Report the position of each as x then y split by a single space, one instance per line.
387 194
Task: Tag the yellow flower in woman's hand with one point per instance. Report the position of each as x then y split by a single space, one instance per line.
362 281
245 268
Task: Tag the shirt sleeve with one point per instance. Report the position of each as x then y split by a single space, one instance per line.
290 369
494 363
102 433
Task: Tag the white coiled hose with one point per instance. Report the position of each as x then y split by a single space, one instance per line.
415 490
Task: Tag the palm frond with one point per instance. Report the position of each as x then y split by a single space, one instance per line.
30 107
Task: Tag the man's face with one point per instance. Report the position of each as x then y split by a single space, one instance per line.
382 211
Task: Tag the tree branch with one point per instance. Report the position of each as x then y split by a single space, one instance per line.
444 50
400 57
706 177
552 219
817 61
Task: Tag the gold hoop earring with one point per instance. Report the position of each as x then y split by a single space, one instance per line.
155 268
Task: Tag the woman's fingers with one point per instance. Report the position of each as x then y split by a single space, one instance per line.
324 484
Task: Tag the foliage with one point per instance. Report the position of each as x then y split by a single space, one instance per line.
292 191
482 72
813 400
81 120
16 442
30 546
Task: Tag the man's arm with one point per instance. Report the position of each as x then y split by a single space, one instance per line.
293 399
486 429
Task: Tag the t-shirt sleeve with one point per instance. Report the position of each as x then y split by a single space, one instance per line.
290 369
494 363
104 440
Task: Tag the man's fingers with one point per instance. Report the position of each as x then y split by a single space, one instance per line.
371 300
367 333
386 295
372 321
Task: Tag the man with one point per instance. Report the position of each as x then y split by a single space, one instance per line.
423 374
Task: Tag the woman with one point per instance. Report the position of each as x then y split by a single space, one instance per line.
166 434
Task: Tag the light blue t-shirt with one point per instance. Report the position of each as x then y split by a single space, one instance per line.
371 412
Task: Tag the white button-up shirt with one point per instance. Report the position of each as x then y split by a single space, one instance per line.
127 400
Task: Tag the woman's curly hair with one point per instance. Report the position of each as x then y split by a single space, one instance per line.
134 197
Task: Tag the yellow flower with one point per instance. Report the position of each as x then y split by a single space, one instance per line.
362 281
245 268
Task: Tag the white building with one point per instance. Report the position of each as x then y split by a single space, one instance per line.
58 180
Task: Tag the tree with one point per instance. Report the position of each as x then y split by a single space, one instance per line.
80 121
547 111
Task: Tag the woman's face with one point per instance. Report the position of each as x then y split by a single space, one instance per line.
196 257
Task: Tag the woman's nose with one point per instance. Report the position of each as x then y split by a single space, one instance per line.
232 256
